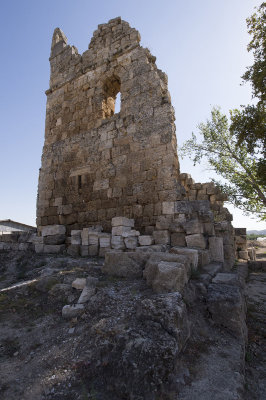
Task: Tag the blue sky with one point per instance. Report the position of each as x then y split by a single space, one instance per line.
201 45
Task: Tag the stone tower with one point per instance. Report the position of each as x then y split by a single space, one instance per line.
98 163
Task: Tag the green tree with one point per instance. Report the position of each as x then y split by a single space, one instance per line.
231 160
249 123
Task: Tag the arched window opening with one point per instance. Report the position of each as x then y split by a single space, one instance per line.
112 100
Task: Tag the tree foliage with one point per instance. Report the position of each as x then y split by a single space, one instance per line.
230 160
249 123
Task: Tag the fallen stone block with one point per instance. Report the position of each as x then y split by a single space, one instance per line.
122 221
72 311
192 254
127 265
79 283
86 294
165 276
50 230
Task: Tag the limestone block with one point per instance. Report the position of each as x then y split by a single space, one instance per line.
240 239
197 241
93 238
54 248
103 250
122 221
166 277
72 311
193 226
73 250
50 230
192 254
85 237
117 243
119 230
93 249
163 222
146 240
76 237
252 253
204 257
243 254
54 239
161 237
131 242
124 264
216 248
178 239
208 228
105 240
86 294
168 207
79 283
84 251
176 226
155 248
38 248
133 232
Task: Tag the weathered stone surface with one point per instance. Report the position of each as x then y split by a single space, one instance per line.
93 238
192 254
193 226
73 250
243 254
50 230
119 230
53 248
216 249
204 257
76 237
93 249
146 240
54 239
72 311
105 240
227 279
84 251
161 237
127 265
117 243
165 276
178 239
123 221
197 241
79 283
131 242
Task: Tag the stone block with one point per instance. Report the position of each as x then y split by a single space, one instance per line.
133 232
240 231
84 251
155 248
176 226
72 311
193 226
85 237
252 253
204 257
161 237
103 250
122 221
79 283
208 228
50 230
192 254
76 237
240 239
53 248
105 240
178 239
38 248
197 241
54 239
93 250
93 239
166 276
131 242
73 250
243 254
119 230
146 240
117 243
226 279
124 264
168 207
163 222
216 249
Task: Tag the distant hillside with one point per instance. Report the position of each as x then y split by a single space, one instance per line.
262 232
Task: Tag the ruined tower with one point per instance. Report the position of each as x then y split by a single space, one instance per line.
98 163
